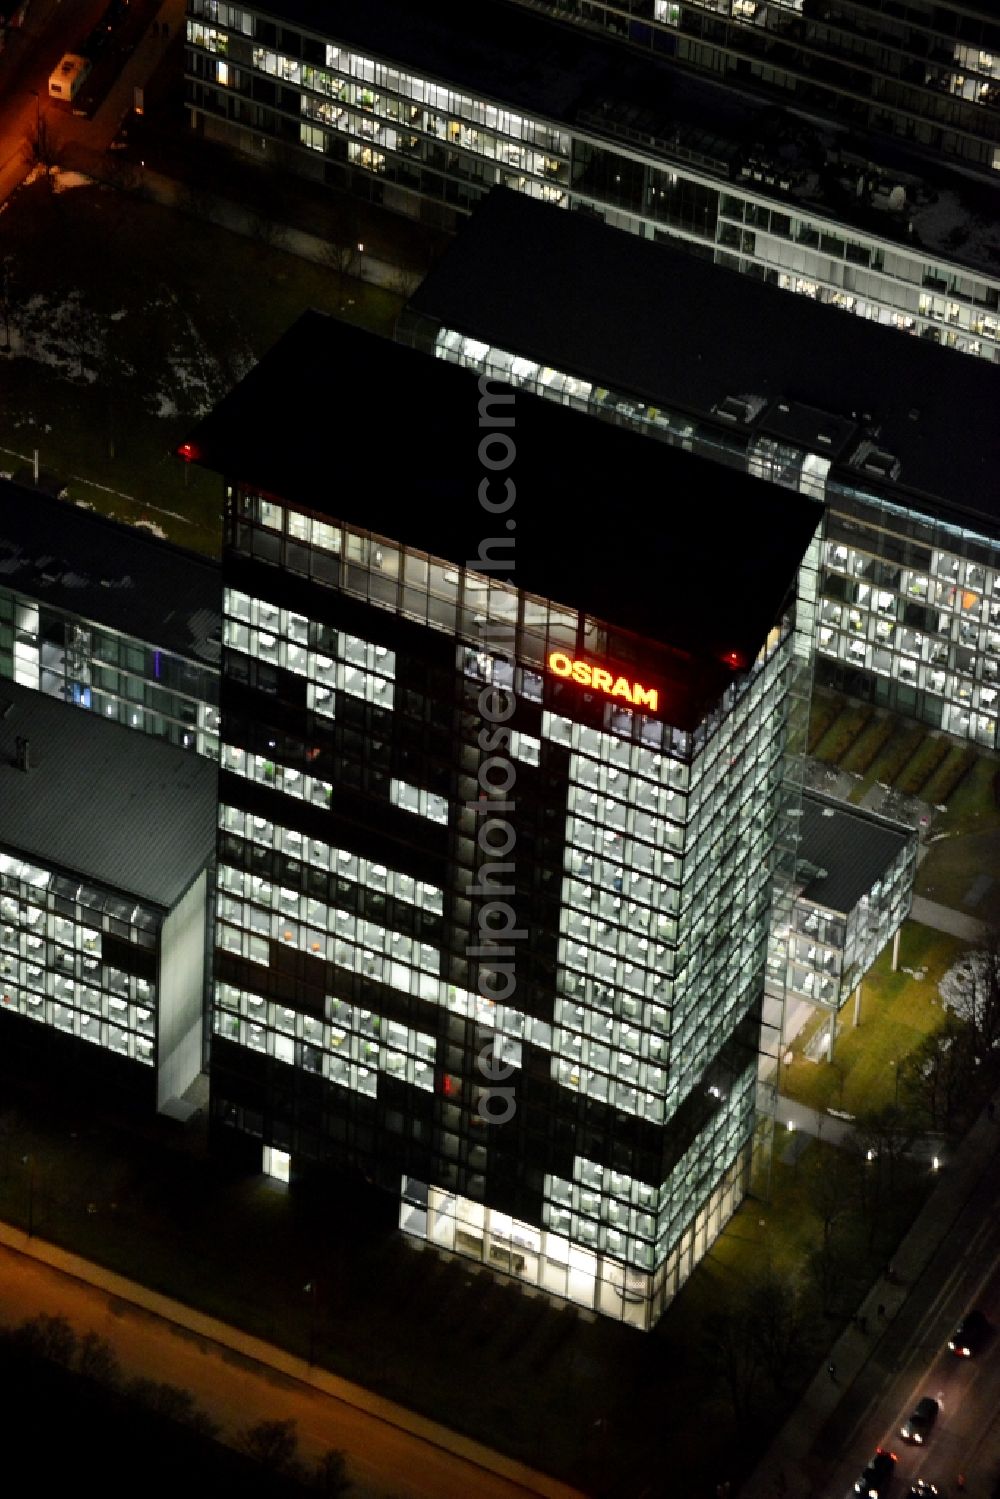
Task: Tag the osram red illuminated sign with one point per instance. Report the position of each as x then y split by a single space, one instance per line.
589 674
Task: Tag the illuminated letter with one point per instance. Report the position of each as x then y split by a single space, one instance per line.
622 689
602 678
646 697
560 663
581 673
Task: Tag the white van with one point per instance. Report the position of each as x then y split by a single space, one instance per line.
66 79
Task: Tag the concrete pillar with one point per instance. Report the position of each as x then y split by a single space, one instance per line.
833 1035
857 1004
895 949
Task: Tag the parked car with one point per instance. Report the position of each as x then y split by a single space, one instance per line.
970 1335
875 1480
917 1426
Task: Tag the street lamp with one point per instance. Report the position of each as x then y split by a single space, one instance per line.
895 1095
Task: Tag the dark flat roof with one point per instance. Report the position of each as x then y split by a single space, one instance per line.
653 540
555 70
111 574
678 332
102 801
855 849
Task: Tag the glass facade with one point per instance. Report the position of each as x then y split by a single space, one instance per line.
352 1003
906 607
928 72
79 959
829 952
126 681
416 144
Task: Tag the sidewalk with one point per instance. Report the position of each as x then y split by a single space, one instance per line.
168 192
945 919
183 1320
785 1468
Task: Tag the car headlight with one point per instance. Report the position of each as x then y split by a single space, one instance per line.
918 1438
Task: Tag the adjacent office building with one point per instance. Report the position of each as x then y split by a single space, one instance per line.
105 842
424 109
927 72
856 872
899 438
102 616
503 722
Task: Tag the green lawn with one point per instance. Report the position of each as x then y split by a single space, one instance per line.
897 1011
139 319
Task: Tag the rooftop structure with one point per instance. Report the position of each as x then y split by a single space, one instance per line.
709 605
99 803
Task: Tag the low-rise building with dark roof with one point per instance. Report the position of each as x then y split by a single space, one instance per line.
899 439
424 109
106 838
855 875
110 619
485 591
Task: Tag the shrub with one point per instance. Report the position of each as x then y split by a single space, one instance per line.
900 751
862 756
950 775
822 714
843 734
924 763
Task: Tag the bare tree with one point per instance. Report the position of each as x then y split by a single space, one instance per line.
936 1077
329 1476
97 1360
272 1444
50 1338
774 1316
887 1133
971 989
731 1353
832 1187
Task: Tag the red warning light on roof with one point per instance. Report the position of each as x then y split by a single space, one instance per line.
733 658
186 451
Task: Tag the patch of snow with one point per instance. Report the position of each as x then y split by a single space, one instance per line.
116 317
149 525
164 405
947 225
62 180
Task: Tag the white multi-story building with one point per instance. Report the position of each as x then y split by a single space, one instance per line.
106 838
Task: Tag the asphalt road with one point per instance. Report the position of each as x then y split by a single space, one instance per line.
912 1360
236 1391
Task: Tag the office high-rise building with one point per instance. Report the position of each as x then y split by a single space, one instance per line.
504 702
